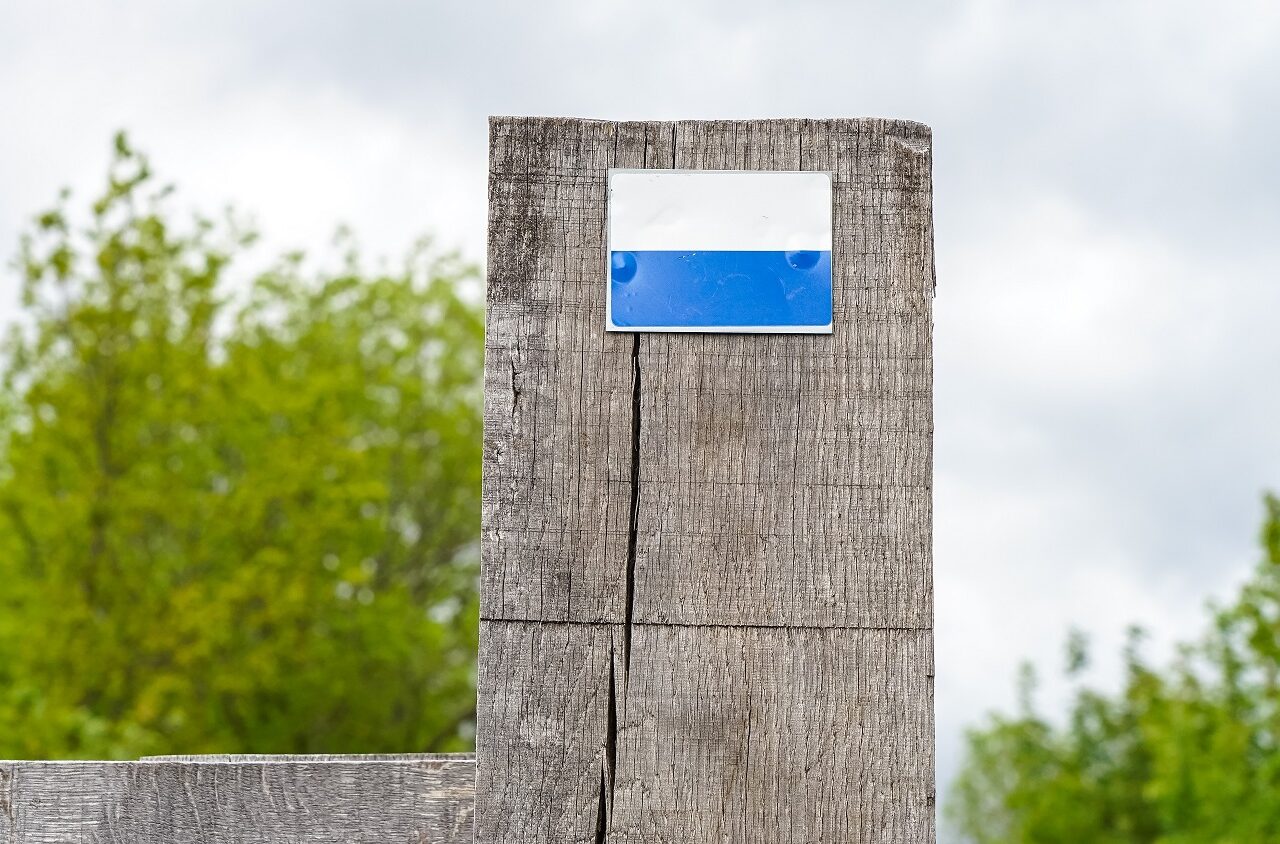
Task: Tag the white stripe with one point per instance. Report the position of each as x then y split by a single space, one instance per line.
719 210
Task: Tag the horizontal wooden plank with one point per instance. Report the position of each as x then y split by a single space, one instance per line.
208 758
229 800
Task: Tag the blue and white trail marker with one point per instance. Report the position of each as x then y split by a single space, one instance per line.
719 250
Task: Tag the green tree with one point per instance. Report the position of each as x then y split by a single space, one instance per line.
234 517
1187 754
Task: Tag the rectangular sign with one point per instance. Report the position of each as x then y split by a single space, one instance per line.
719 250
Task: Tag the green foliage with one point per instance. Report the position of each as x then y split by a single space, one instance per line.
233 517
1185 755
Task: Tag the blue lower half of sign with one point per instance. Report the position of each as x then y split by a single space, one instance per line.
762 290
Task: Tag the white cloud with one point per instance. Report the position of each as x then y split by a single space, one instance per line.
1095 412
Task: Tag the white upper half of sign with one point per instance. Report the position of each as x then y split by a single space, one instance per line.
719 210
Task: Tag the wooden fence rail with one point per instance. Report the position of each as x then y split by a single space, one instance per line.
415 799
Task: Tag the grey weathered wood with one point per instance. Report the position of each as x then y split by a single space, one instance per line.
776 734
543 731
207 758
707 558
237 802
558 459
786 479
557 416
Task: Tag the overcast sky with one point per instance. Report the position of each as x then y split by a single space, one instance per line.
1107 209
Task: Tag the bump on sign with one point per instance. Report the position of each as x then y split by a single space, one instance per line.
719 251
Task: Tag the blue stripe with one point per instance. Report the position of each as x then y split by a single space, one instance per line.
661 289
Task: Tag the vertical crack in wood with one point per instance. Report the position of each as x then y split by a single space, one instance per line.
635 503
611 745
611 735
515 388
602 824
608 770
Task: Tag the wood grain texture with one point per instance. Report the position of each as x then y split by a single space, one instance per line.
208 758
707 558
558 464
557 419
237 802
771 735
786 479
542 731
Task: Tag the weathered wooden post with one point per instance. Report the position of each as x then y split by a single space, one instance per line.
707 588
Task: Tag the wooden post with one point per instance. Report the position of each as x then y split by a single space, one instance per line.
707 588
